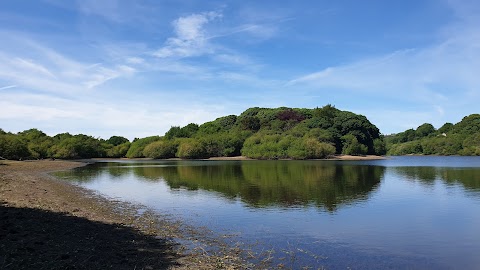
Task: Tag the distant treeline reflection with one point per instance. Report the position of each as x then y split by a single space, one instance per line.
326 185
257 183
468 177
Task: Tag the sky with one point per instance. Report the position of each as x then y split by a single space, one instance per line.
136 68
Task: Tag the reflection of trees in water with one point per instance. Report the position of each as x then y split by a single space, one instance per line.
114 171
83 174
468 177
268 183
303 183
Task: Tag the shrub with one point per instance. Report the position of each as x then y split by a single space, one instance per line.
351 146
161 149
190 149
118 151
136 148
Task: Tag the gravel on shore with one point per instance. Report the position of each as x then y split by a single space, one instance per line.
46 223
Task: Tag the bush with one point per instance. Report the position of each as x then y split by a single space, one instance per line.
136 148
12 147
190 149
78 146
379 147
266 146
161 149
117 140
351 146
118 151
309 148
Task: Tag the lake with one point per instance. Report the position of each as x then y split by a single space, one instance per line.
399 213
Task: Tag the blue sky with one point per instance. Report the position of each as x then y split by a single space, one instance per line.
135 68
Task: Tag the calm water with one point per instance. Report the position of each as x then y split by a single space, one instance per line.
400 213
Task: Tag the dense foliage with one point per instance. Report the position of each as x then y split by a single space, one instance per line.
261 133
462 138
34 144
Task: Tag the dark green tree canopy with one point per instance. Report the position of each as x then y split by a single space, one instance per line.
450 139
424 130
267 133
117 140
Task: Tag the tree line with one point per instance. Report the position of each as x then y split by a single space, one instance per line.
260 133
35 144
462 138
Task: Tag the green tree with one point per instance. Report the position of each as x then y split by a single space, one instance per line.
161 149
445 128
77 146
250 123
379 146
351 146
117 140
13 147
136 148
118 151
191 149
424 130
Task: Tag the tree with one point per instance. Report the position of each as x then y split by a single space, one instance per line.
351 146
445 128
12 147
136 148
379 147
161 149
250 123
77 146
190 149
118 151
117 140
185 132
424 130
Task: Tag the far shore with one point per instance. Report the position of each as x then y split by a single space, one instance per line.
335 157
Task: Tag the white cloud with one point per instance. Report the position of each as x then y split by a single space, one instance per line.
191 38
437 83
429 74
260 31
234 59
8 87
53 72
135 60
102 75
96 117
30 65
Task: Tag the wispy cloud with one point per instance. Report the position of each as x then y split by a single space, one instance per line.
130 118
191 38
433 82
102 75
53 72
259 31
425 74
7 87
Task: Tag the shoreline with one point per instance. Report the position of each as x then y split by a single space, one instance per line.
243 158
50 223
35 205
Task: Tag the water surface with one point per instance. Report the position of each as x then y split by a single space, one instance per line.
403 212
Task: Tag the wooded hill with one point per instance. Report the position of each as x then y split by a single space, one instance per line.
260 133
462 138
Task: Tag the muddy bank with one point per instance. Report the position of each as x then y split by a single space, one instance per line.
49 224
